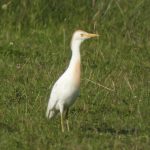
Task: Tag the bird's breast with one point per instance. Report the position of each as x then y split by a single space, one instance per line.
76 73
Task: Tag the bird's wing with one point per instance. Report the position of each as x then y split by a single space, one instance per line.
53 99
63 89
54 96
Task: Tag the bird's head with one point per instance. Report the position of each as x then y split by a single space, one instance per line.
79 36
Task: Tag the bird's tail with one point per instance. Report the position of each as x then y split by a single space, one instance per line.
50 113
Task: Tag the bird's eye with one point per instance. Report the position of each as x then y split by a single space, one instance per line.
82 34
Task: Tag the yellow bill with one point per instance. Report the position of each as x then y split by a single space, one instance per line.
89 35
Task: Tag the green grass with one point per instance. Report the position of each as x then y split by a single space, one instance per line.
34 52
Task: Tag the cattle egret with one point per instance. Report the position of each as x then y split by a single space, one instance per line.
66 88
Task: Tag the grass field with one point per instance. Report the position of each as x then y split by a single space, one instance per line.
34 52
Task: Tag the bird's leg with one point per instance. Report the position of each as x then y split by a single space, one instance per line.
66 117
62 123
61 115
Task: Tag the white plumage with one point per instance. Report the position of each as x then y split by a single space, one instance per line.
66 88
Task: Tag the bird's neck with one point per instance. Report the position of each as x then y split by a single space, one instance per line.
75 63
75 58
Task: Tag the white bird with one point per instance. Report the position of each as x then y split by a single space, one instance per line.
66 88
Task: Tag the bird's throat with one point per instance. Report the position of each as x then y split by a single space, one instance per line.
75 67
77 72
75 63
